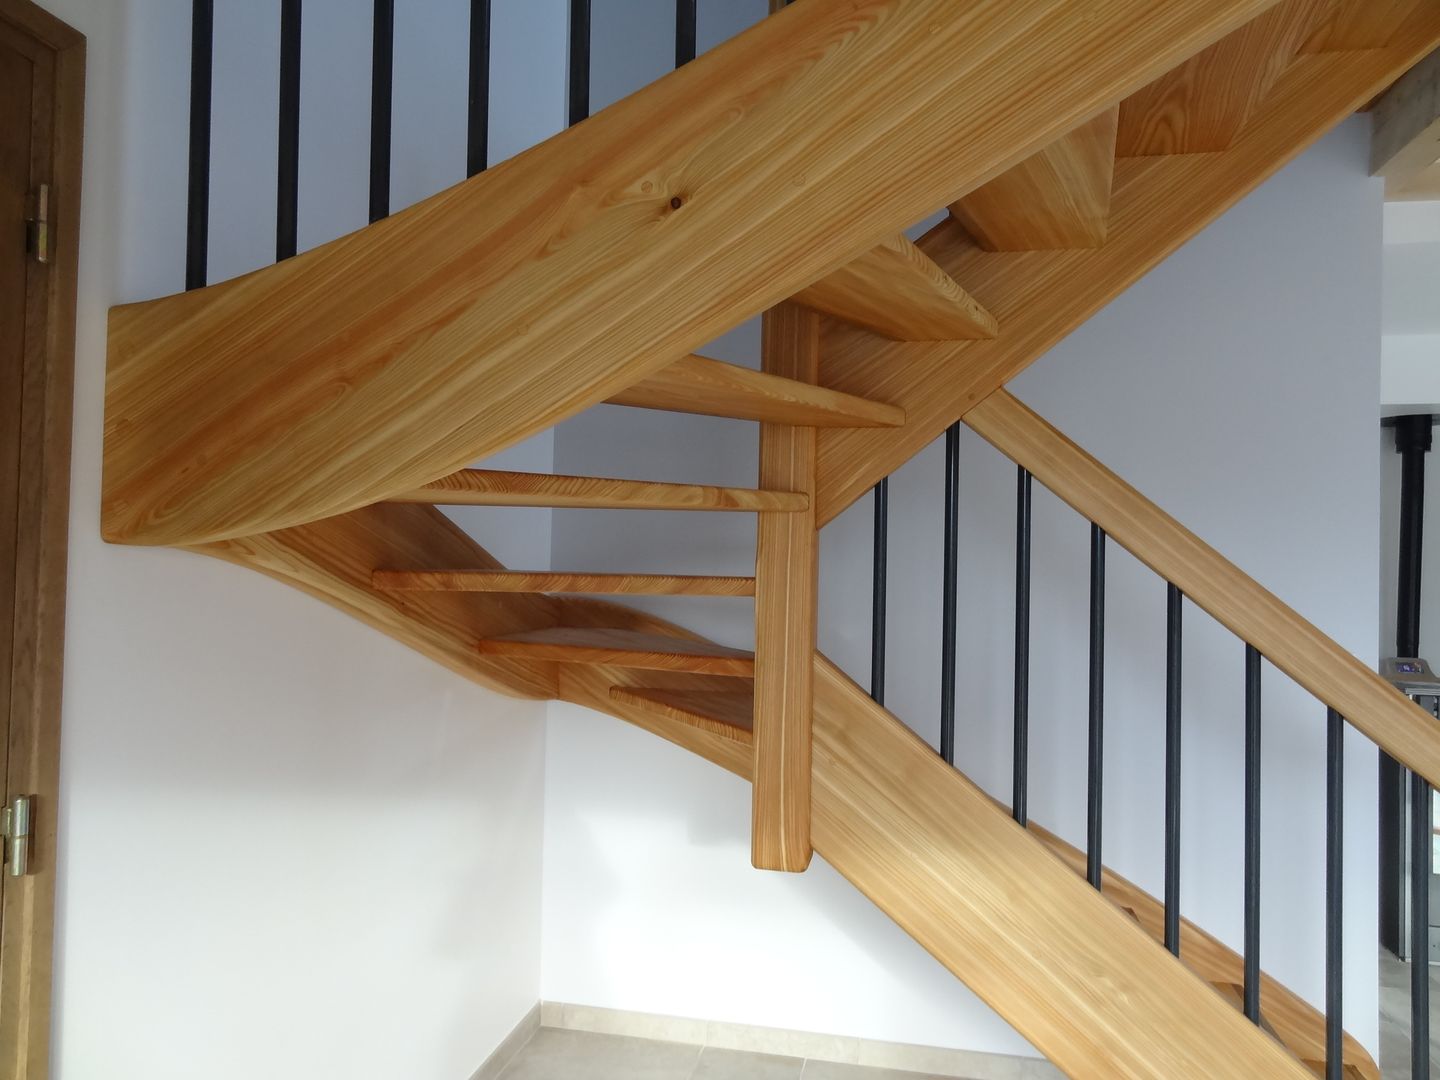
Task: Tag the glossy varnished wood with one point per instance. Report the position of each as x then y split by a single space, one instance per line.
557 581
698 384
1058 198
897 291
621 647
489 487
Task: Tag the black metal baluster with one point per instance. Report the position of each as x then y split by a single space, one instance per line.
1334 901
684 32
197 205
287 183
1174 621
1020 763
382 77
579 107
1420 841
950 599
1252 833
881 556
1093 863
477 117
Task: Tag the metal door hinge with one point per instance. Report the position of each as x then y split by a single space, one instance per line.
38 238
15 830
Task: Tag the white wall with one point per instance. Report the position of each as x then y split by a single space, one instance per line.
290 847
1238 385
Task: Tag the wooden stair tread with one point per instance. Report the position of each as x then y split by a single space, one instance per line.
728 713
548 581
898 291
490 487
623 648
698 384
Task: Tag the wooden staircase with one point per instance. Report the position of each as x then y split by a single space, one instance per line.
306 421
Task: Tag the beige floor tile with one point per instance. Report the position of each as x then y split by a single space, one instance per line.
826 1070
578 1055
718 1064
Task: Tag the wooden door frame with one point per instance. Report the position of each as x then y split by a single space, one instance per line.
28 919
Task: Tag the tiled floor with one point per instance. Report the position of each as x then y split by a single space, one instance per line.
1395 1016
556 1054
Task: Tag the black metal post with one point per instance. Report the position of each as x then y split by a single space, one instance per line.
579 95
287 183
1174 622
1252 833
382 75
684 32
1020 759
197 205
1334 896
477 117
1094 865
950 599
881 556
1420 841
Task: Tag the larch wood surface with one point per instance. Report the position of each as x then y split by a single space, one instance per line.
1374 24
1213 583
489 487
490 311
1039 297
1200 106
897 291
560 581
787 557
1405 140
622 647
729 714
698 384
1058 198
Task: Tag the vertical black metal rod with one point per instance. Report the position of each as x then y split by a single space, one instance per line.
1174 624
287 182
1420 841
1020 760
579 90
197 206
881 554
1334 900
382 76
1252 833
684 32
950 598
1093 861
477 117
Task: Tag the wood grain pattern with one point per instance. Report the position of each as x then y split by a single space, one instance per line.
1212 582
708 387
787 557
897 291
1058 198
621 647
557 581
1201 105
1374 24
496 308
1405 138
1040 297
489 487
729 714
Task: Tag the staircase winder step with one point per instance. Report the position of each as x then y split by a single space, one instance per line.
727 713
488 487
623 648
556 581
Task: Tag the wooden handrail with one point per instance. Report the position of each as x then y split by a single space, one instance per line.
1238 602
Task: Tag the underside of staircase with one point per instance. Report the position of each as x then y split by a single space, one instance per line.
308 419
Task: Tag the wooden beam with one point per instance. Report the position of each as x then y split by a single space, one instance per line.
489 487
1405 137
897 291
1040 297
494 309
787 557
708 387
554 581
1201 105
1342 682
1058 198
729 714
623 647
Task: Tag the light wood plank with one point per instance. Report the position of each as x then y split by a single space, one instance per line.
898 292
1202 104
787 555
1405 138
1058 198
1373 24
708 387
627 648
727 714
497 308
489 487
1040 297
554 581
1212 582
